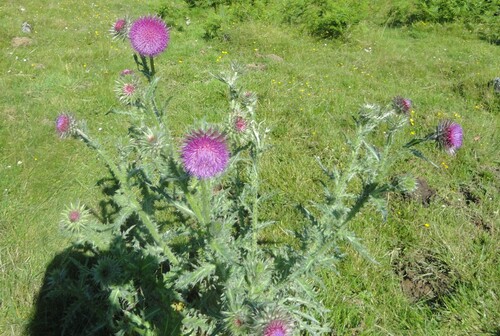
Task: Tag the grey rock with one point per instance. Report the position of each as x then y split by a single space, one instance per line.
26 27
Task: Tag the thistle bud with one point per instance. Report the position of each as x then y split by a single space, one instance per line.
65 125
75 218
275 323
106 271
120 29
405 184
402 105
128 89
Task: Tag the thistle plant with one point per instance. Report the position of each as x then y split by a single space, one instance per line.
182 253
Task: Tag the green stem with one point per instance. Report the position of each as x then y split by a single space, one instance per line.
152 66
146 220
205 201
414 142
135 205
353 161
112 167
360 202
158 114
255 152
385 163
255 205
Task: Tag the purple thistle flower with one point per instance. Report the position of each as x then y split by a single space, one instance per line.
128 90
449 136
75 218
65 125
126 72
205 154
127 93
402 105
149 36
119 25
240 124
120 29
277 328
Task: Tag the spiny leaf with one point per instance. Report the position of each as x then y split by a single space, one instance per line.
373 150
356 244
192 278
381 205
420 155
222 249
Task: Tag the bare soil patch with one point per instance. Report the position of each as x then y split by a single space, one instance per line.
423 194
424 277
21 42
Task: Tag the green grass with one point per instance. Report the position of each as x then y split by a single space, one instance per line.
307 100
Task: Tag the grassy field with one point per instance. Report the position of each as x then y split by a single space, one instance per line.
439 261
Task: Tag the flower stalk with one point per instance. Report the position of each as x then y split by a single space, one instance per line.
135 206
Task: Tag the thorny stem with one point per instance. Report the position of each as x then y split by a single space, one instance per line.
205 199
152 65
360 202
349 173
137 208
157 113
255 153
148 71
414 142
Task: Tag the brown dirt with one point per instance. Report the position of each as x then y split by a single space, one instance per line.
424 277
21 42
480 223
423 194
469 195
256 66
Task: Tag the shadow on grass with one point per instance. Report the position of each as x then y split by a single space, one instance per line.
117 290
85 293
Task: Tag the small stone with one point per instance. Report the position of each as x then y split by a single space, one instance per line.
26 27
495 83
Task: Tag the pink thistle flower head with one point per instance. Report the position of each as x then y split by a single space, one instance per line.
126 72
128 90
274 322
75 218
402 105
65 125
449 136
119 29
120 25
277 328
240 124
149 36
205 154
